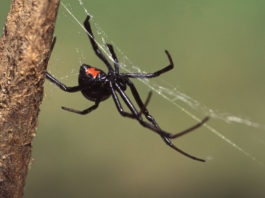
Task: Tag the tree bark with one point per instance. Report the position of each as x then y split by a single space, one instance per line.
24 54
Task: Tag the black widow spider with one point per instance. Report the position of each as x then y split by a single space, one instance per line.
97 86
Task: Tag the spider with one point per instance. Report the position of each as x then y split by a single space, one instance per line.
97 86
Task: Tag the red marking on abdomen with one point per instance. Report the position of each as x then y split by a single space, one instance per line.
92 71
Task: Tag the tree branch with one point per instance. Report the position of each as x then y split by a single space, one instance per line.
24 53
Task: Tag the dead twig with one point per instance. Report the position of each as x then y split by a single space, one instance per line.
24 53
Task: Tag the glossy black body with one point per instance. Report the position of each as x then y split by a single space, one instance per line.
97 86
94 88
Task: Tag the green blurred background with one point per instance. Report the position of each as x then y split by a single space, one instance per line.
218 48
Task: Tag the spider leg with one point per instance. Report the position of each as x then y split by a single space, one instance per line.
155 74
151 119
138 99
94 44
52 46
169 143
146 102
86 111
116 64
126 114
57 82
118 104
61 85
133 89
143 123
190 129
134 114
140 103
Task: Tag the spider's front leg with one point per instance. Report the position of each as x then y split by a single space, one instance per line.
115 59
57 82
61 85
94 44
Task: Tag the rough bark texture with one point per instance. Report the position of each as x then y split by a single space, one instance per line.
24 53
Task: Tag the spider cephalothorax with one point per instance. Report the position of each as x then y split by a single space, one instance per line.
96 85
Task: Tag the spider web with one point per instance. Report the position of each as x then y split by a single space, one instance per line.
165 89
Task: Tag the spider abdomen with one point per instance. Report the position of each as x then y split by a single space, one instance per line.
93 81
96 93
